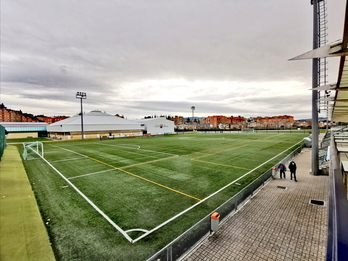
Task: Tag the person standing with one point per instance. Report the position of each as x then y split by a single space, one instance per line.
292 168
282 170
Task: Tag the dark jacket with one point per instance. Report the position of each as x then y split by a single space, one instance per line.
292 166
281 167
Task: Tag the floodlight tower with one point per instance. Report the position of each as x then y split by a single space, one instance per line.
81 96
193 111
318 75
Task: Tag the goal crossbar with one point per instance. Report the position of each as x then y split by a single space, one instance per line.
36 147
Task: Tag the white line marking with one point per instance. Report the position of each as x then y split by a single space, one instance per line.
135 147
205 199
89 201
71 151
139 148
140 154
94 173
116 168
146 162
70 159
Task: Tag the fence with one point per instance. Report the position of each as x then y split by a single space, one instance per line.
2 140
179 247
337 243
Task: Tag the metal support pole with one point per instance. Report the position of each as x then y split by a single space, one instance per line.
81 95
82 121
315 136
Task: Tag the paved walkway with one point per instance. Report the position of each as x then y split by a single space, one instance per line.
277 224
23 236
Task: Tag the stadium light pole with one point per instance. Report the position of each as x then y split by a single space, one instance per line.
193 109
81 96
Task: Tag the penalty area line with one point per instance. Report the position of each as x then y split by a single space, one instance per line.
90 174
89 201
145 179
158 184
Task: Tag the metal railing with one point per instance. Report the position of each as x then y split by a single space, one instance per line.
337 243
182 245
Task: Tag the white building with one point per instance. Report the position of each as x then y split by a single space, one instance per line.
96 124
157 126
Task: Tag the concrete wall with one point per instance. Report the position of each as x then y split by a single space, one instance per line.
22 135
94 134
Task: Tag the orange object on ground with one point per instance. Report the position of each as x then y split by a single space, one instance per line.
215 215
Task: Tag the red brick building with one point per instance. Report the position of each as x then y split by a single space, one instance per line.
8 115
273 122
218 120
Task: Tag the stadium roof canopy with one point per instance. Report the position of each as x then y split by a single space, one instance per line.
339 104
94 121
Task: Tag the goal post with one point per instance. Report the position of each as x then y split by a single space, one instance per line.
248 130
32 147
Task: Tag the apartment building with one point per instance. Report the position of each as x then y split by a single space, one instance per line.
8 115
217 121
283 121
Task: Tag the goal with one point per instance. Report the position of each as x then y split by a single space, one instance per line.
248 130
32 150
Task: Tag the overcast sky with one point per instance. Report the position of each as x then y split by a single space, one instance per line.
152 57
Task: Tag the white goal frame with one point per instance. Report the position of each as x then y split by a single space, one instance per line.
36 147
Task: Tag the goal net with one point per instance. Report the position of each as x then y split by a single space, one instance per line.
32 150
248 130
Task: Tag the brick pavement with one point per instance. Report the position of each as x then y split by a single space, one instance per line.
276 224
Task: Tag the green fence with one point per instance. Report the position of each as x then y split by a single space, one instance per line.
2 140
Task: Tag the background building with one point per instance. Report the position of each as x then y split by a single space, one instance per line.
19 130
9 115
96 124
157 126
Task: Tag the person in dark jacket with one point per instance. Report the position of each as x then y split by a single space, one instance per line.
292 168
282 170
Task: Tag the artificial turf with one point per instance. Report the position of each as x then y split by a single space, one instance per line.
140 183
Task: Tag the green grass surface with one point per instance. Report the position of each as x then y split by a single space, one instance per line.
141 183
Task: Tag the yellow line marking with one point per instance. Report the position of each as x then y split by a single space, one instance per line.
148 180
174 190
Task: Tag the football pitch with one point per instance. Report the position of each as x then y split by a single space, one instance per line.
97 197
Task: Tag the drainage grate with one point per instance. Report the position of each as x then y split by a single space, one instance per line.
317 202
281 187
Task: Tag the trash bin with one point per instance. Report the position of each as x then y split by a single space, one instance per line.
214 221
274 171
308 142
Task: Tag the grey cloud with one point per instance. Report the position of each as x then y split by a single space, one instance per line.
67 46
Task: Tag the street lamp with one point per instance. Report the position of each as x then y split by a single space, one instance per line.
81 96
